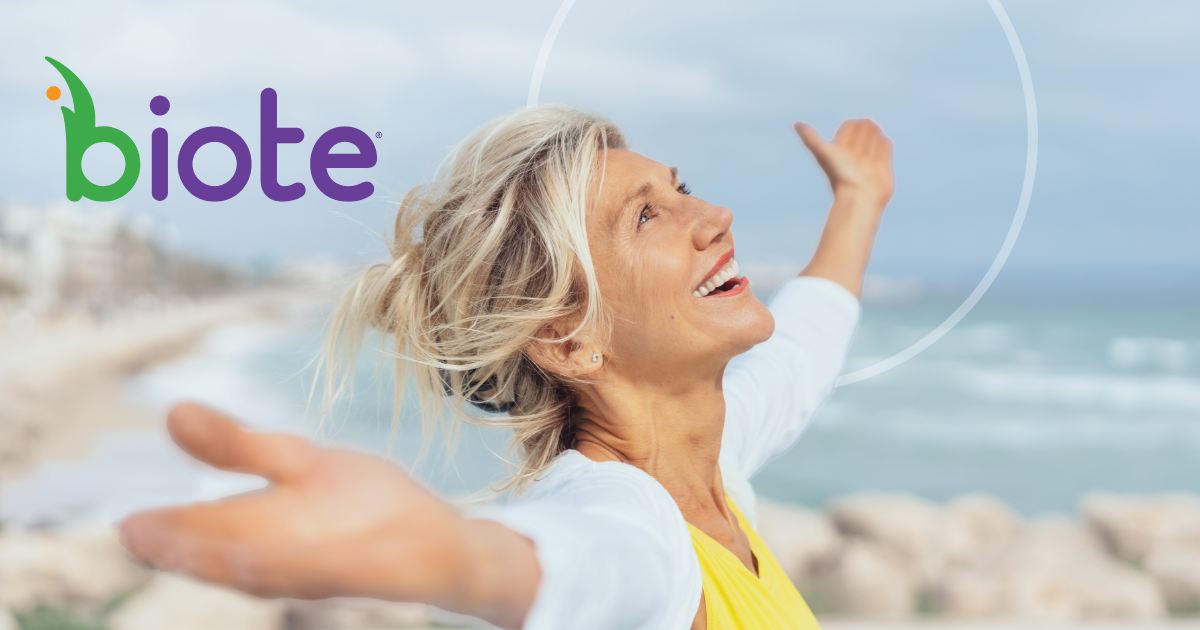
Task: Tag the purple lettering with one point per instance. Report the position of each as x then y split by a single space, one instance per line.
159 105
271 135
322 160
241 171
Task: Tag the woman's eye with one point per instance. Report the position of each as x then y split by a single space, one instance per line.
683 188
645 215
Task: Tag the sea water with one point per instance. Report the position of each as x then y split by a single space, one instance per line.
1037 397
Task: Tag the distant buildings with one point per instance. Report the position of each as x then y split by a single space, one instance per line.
89 256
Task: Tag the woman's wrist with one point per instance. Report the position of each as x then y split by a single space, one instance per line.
858 201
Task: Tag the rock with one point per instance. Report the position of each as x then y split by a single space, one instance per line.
983 521
7 620
1176 568
1053 570
909 526
173 602
968 592
800 539
1132 526
865 579
346 613
80 567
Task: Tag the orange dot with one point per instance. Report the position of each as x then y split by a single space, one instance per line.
53 92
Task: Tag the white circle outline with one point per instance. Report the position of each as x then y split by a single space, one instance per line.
1014 230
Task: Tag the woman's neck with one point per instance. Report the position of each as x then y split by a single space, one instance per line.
671 429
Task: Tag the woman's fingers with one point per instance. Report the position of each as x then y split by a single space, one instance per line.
826 154
881 148
166 539
849 136
813 140
219 441
170 540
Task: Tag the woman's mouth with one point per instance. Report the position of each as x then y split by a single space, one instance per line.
724 282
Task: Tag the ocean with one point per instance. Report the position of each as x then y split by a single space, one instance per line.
1040 395
1036 398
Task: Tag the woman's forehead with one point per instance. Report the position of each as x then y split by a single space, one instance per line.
631 163
629 175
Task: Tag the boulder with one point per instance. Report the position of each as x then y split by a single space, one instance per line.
903 523
1053 570
1131 526
979 522
82 567
1177 570
931 538
865 579
800 539
173 602
351 613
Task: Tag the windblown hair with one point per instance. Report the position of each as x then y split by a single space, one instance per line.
484 257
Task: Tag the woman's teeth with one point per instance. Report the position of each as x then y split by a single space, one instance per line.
730 270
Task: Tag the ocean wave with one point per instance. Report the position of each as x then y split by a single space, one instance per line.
1149 352
1125 392
222 373
1053 433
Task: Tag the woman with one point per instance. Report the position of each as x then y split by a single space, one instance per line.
579 292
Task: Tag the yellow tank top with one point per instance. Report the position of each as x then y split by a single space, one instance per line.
736 599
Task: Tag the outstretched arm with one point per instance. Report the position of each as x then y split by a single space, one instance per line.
332 523
772 391
859 165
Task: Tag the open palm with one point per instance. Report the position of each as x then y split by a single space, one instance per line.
858 161
332 522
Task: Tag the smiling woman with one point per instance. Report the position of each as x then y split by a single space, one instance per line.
580 293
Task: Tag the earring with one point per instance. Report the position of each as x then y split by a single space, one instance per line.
596 358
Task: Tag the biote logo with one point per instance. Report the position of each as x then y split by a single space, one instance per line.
81 133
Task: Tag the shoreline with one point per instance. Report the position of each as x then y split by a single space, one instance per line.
63 386
864 562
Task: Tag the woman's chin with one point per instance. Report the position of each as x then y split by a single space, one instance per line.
750 326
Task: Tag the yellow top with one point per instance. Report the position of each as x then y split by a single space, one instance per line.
736 599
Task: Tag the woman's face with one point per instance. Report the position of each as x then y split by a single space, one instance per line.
664 262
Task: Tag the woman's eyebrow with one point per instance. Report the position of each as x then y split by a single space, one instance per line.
643 191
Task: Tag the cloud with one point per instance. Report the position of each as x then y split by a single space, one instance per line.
204 47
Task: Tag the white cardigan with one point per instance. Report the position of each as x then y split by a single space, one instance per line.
613 547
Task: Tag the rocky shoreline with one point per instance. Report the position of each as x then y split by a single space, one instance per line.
885 559
865 561
895 556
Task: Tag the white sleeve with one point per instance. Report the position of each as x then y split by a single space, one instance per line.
772 391
613 553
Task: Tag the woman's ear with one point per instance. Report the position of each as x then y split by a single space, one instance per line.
571 358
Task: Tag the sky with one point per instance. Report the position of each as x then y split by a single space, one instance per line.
711 87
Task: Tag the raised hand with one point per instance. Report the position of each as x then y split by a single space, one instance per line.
859 165
332 523
858 161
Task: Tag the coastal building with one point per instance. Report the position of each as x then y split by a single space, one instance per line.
68 255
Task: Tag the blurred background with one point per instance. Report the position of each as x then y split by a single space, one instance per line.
1040 463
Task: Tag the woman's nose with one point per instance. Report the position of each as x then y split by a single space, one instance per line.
712 223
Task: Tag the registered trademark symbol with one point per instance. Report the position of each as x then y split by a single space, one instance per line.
378 134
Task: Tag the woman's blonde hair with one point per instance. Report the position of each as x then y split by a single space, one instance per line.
485 256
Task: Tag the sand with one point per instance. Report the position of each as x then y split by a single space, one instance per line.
62 384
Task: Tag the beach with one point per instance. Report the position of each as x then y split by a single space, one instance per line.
63 384
83 406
